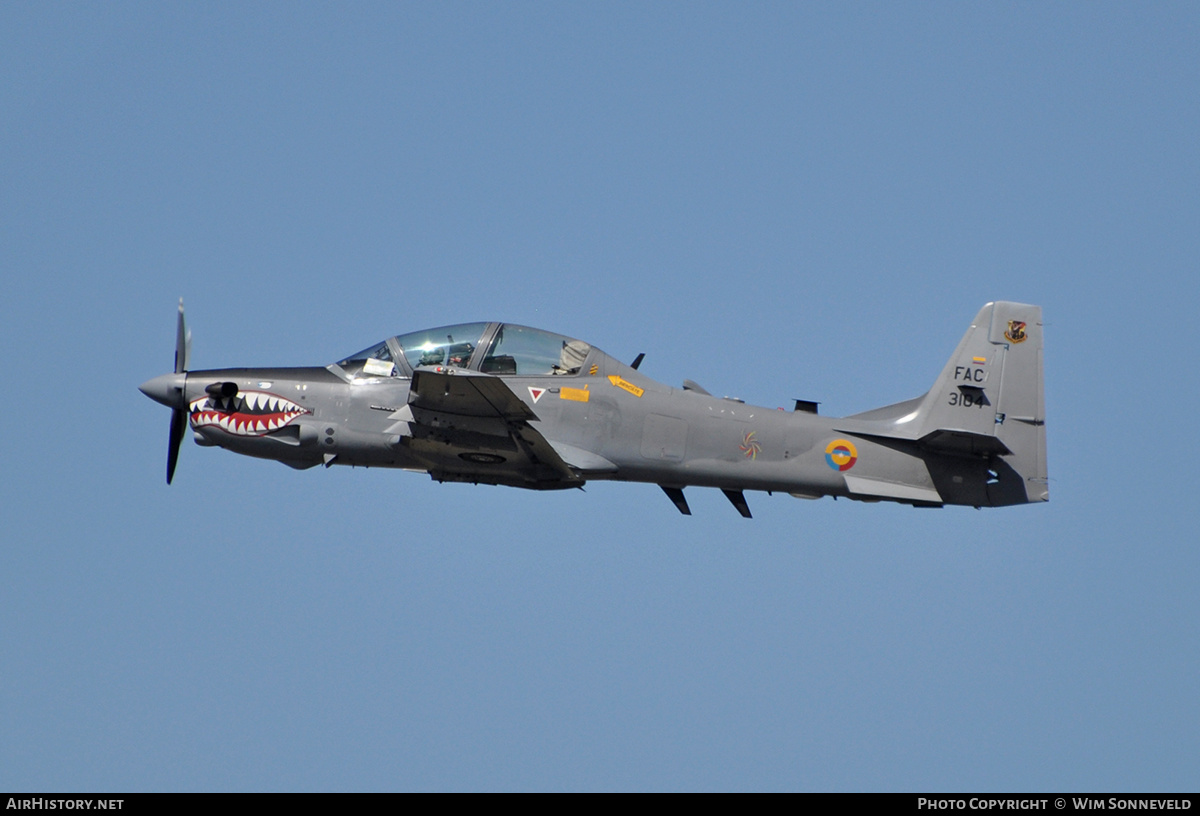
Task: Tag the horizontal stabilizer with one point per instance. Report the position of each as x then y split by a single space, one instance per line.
964 442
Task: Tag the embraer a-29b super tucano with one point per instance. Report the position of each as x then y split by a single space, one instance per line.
501 404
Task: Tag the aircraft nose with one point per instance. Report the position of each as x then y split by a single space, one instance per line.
167 389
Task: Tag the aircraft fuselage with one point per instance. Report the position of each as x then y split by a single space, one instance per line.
461 413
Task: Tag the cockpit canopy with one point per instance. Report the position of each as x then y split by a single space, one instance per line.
505 349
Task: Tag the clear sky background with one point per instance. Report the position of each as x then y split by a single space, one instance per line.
775 200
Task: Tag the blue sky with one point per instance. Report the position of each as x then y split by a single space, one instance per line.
775 200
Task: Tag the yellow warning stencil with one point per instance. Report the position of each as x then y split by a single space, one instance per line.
628 386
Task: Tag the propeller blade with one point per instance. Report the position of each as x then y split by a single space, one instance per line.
178 426
183 343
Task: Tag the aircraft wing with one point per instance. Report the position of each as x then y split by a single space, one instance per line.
466 393
468 426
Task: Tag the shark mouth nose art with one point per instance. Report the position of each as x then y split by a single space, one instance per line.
249 413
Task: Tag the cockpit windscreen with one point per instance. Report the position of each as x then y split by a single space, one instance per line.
373 361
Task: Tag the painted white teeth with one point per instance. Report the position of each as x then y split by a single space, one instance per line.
251 413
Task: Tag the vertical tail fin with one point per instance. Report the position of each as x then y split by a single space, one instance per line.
982 427
989 401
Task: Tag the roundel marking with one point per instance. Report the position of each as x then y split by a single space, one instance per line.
840 454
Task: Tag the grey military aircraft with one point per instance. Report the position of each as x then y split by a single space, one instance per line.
502 404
